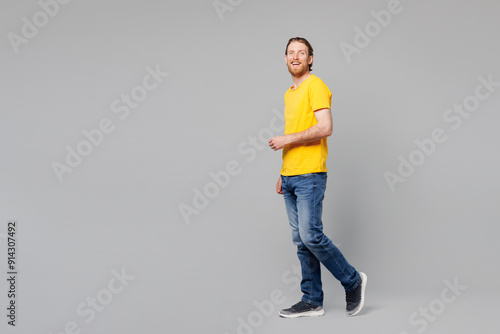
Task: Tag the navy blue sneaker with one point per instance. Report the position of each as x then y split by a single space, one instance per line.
355 299
302 309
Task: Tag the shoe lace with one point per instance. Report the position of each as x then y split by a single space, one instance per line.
351 296
301 305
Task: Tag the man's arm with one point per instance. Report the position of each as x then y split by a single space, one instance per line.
318 131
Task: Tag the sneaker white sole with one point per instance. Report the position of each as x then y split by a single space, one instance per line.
364 279
303 314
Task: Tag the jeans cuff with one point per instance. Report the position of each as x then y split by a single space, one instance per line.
312 302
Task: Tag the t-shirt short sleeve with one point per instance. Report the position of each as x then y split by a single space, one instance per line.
319 95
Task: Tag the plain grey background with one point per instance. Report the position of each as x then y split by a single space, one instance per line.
119 209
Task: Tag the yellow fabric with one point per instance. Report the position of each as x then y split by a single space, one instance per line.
300 105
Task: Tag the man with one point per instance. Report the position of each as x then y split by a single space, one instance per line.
308 123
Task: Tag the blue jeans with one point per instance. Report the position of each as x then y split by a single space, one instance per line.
304 205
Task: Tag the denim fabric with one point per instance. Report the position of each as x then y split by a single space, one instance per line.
303 196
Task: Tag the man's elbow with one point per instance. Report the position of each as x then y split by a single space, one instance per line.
327 131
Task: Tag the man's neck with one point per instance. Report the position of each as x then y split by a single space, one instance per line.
298 80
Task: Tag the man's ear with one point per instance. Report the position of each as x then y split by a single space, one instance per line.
310 60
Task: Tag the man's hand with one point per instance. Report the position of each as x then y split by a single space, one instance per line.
279 189
277 143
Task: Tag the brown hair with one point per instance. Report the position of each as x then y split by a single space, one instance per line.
303 41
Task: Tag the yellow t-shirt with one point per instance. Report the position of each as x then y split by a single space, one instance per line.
300 105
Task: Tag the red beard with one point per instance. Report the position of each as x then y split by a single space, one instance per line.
299 70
